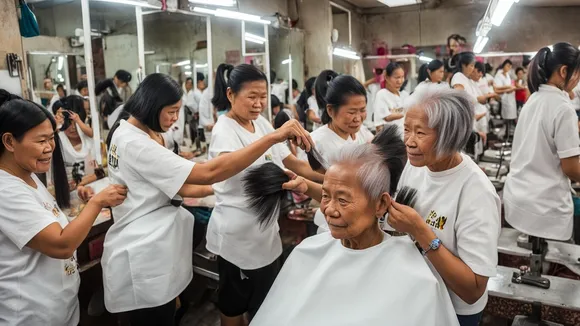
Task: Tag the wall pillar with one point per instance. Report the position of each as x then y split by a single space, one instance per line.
316 20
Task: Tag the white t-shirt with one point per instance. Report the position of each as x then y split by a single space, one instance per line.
463 209
233 231
472 88
387 103
70 154
536 195
508 100
206 112
189 99
34 288
279 89
147 252
313 106
372 91
325 283
328 143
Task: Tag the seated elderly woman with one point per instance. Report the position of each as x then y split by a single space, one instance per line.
457 216
355 274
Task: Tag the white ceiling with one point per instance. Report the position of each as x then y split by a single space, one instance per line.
539 3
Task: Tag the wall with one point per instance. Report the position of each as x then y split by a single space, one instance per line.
264 7
316 21
11 43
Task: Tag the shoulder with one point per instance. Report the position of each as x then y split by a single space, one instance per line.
316 242
476 182
10 185
320 133
365 134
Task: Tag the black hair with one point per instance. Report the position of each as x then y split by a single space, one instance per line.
287 92
272 76
275 101
123 75
334 90
280 119
461 59
460 39
429 67
294 84
391 67
72 103
304 96
81 85
153 94
391 146
61 86
407 196
488 68
234 78
18 116
506 61
200 76
124 115
518 69
479 66
546 62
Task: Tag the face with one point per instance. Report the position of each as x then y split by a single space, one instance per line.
468 69
189 85
119 83
520 74
34 151
476 75
250 101
345 205
454 46
169 116
507 68
350 116
60 92
71 132
276 110
87 107
574 80
419 138
201 84
437 75
397 79
48 85
84 92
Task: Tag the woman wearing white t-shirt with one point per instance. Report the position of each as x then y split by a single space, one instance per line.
147 252
388 105
248 253
432 72
38 269
456 219
503 86
545 150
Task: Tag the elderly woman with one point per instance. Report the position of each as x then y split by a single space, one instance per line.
355 274
457 217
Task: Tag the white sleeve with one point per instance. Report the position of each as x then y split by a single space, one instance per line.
158 165
477 228
498 81
21 216
205 111
381 109
367 135
313 105
223 140
566 133
459 79
191 102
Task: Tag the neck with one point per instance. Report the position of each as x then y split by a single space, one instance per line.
247 124
446 163
153 134
338 131
8 164
369 238
392 89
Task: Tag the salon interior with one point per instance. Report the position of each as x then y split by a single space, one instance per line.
85 47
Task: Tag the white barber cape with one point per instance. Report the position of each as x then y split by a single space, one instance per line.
324 283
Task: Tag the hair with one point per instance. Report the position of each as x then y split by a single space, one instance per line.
124 115
460 39
123 76
450 112
294 84
200 76
506 62
306 93
81 85
391 67
61 86
74 103
280 119
18 116
461 59
189 79
426 68
518 69
275 102
546 62
233 78
334 90
479 66
488 68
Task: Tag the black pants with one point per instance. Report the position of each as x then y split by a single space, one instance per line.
156 316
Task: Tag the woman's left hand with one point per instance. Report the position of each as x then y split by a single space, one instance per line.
74 117
296 184
85 193
405 219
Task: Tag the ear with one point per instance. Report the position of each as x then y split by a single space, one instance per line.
383 205
329 110
8 142
563 72
230 95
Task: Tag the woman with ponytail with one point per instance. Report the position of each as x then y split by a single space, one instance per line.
249 254
503 86
389 101
38 270
546 148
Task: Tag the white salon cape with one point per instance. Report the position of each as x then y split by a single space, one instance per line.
387 103
34 289
147 251
537 198
324 283
509 108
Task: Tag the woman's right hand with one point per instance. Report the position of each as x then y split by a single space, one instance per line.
293 130
113 195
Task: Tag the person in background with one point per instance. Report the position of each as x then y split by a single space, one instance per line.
503 86
291 103
546 148
456 219
388 106
482 106
432 72
199 87
455 44
39 276
113 92
83 88
189 114
60 93
521 88
373 86
313 111
47 92
303 105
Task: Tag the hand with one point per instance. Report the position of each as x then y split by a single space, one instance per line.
85 193
187 155
293 130
296 184
316 120
209 128
483 136
405 219
74 117
111 196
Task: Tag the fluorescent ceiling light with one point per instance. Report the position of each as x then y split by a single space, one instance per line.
480 44
287 61
204 10
183 63
188 67
201 66
398 3
345 54
60 62
223 3
188 73
255 37
240 16
425 59
500 11
135 3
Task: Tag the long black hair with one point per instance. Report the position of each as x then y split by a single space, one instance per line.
17 117
546 62
334 90
302 103
228 76
462 59
427 68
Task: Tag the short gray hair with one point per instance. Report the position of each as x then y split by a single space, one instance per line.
450 112
373 173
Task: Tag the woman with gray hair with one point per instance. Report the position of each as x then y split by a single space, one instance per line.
456 220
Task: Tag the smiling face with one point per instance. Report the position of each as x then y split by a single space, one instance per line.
33 152
169 115
350 116
419 138
250 101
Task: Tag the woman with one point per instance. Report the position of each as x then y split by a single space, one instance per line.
545 151
147 252
344 100
432 72
307 101
503 86
356 274
483 96
38 269
248 254
521 88
456 220
389 101
60 93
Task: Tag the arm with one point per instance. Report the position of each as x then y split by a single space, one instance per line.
571 167
459 87
303 186
480 116
302 168
84 128
370 82
312 116
195 191
394 116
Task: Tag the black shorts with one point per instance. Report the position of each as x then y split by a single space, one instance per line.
237 296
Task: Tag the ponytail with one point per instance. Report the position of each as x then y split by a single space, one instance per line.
547 62
461 59
423 73
320 89
220 99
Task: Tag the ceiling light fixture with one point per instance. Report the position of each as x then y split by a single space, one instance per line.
135 3
287 61
349 54
202 10
398 3
500 11
222 3
183 63
240 16
425 59
480 44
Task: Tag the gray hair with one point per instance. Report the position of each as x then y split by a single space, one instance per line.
373 174
450 112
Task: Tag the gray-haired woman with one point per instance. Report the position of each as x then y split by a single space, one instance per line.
456 220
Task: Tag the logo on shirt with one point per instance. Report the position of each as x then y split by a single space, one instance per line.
113 157
268 157
53 209
435 221
70 266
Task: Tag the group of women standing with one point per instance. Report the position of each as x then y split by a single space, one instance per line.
147 252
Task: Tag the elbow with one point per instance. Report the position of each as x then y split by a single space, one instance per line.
61 253
471 297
